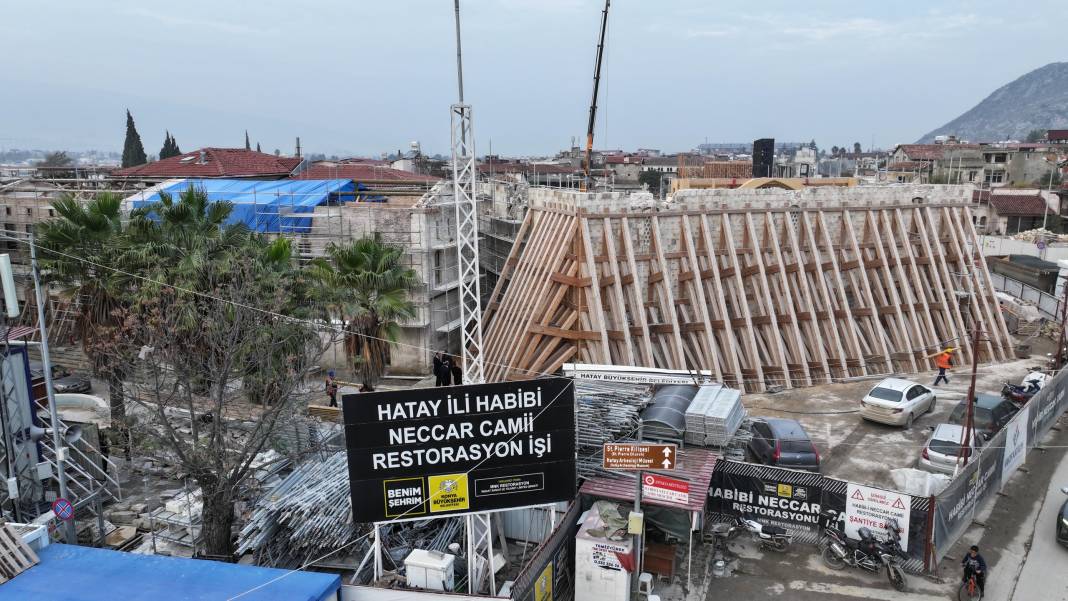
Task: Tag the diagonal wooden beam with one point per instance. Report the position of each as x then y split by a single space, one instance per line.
814 335
697 285
719 296
639 299
795 327
617 288
824 289
776 341
892 284
597 309
851 236
671 309
1002 330
848 326
743 302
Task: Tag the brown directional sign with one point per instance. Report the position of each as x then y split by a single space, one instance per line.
635 456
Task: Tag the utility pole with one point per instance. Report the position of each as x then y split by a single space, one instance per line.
637 509
70 535
969 422
1064 321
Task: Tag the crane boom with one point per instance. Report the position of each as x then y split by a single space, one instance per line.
593 102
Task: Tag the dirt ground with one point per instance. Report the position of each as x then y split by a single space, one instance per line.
857 450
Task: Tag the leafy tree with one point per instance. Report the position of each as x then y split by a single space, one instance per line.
1035 135
189 413
133 152
834 151
651 180
277 152
56 159
248 146
79 250
170 147
367 288
857 148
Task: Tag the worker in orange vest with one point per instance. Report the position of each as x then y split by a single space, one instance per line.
943 362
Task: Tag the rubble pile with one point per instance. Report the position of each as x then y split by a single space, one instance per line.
1039 234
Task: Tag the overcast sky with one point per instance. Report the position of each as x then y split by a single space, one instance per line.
366 76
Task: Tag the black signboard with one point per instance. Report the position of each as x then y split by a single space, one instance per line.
427 452
784 498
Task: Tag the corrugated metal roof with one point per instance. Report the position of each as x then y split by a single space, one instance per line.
695 466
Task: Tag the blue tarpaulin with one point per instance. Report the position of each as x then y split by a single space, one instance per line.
272 206
70 573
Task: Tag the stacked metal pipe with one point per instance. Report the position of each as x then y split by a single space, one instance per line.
308 514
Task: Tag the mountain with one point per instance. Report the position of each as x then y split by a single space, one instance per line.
1038 100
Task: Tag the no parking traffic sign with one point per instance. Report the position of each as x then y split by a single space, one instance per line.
63 509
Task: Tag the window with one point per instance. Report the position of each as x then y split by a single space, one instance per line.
51 212
982 221
994 177
29 228
971 176
7 210
29 211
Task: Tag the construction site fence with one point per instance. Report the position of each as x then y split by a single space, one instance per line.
986 474
551 566
804 502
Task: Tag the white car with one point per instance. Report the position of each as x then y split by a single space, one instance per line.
897 402
943 449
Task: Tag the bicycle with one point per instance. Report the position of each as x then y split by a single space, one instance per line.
969 589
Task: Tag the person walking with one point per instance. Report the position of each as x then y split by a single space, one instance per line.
331 387
943 361
439 380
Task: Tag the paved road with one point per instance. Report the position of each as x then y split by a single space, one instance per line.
1045 569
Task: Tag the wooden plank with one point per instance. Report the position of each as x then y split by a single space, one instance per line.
1002 329
880 335
910 255
825 293
597 314
568 334
947 287
638 306
728 237
617 288
815 338
801 356
508 268
720 298
776 333
849 326
979 310
670 309
915 340
699 293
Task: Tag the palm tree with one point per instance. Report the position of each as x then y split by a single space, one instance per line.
368 291
81 251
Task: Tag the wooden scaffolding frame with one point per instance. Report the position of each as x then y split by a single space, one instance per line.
788 294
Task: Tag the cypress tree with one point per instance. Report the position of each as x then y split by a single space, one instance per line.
133 152
170 147
247 145
258 147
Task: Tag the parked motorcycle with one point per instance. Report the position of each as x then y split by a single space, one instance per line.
868 553
1020 394
770 537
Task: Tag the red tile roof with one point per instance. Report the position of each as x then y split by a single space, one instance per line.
727 169
1023 205
980 195
932 152
360 171
695 466
218 162
1057 134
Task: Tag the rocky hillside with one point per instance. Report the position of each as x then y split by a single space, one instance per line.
1038 100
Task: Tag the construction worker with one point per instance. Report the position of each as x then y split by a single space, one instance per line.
943 361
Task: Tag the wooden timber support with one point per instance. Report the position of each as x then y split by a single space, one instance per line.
766 296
